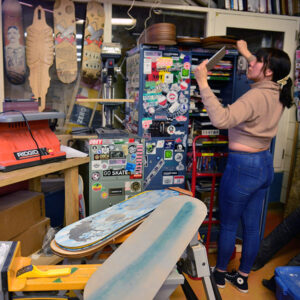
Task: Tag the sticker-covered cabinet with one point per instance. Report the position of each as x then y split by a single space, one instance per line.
158 78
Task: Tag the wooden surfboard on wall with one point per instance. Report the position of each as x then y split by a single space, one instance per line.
39 55
65 40
93 38
14 49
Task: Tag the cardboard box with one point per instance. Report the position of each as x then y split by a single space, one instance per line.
19 211
32 238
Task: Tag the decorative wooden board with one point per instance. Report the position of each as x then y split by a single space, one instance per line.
65 40
14 49
106 223
93 38
39 55
139 267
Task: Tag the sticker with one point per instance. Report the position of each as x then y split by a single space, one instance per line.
122 172
161 117
94 148
167 180
95 142
160 144
147 66
179 148
125 149
162 101
117 162
169 173
112 147
104 195
101 156
183 85
178 179
171 129
104 165
180 167
127 186
96 165
169 144
135 187
95 176
178 157
97 187
116 154
164 62
150 148
133 157
151 110
183 99
175 87
146 123
105 149
183 108
168 155
187 65
172 96
150 84
132 149
116 191
131 167
174 107
185 73
136 176
153 173
168 78
181 118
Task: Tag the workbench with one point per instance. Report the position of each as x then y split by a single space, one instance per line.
34 174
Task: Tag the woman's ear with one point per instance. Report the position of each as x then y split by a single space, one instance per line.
268 73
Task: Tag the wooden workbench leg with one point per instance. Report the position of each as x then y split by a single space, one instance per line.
71 195
35 184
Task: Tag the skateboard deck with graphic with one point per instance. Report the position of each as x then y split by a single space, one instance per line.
65 40
101 226
139 267
39 55
93 38
14 46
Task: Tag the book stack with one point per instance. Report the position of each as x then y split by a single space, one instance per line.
279 7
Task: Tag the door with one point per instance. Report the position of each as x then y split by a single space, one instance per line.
265 31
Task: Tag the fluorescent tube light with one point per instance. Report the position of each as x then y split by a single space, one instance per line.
123 21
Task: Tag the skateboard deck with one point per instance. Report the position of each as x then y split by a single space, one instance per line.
39 55
139 267
14 46
103 225
65 40
93 38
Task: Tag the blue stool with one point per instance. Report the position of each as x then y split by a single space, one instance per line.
287 283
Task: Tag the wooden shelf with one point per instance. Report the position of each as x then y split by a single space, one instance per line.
105 100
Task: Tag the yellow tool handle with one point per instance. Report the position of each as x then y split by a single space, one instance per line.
32 271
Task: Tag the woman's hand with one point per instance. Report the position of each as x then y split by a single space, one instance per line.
243 49
201 74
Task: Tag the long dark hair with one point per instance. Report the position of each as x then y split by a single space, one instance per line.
280 64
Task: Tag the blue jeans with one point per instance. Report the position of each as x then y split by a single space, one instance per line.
243 187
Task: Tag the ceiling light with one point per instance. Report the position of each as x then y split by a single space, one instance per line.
123 21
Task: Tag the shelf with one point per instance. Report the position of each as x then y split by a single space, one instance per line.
208 174
104 100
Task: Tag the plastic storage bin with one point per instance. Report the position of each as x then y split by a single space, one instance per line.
287 283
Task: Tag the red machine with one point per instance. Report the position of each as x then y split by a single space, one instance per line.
27 140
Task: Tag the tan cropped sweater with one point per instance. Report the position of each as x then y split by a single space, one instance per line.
252 120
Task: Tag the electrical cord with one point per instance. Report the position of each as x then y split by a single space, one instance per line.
29 129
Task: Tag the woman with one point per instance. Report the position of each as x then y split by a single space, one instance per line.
252 122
